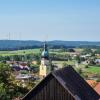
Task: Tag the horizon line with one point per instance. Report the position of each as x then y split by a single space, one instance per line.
48 40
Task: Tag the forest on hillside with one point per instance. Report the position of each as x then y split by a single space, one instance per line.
19 44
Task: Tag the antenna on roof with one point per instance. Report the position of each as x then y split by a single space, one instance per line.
9 36
20 36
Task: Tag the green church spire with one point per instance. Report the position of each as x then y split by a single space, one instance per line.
45 53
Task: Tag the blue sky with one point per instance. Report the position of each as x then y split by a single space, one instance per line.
50 19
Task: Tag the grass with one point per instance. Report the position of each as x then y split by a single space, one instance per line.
78 50
61 62
19 52
28 51
93 70
60 53
90 69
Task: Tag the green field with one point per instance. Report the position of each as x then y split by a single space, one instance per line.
90 69
19 52
93 70
62 62
28 51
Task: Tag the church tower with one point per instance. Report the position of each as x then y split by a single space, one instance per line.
45 67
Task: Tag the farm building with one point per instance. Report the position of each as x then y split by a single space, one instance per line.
62 84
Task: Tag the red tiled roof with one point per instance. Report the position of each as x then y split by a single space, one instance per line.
23 64
92 83
97 88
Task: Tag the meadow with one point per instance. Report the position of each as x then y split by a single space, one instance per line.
19 52
93 70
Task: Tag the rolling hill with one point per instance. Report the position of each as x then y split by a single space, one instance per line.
26 44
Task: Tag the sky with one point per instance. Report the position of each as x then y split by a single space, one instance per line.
70 20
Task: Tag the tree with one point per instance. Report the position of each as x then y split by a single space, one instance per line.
64 64
77 58
16 57
1 58
92 62
2 91
87 51
63 49
97 51
70 50
79 70
8 89
37 58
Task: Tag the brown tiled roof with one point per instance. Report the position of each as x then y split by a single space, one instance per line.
97 88
72 82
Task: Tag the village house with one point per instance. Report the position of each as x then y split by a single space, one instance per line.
97 61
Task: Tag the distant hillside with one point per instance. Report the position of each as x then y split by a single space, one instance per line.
18 44
74 43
